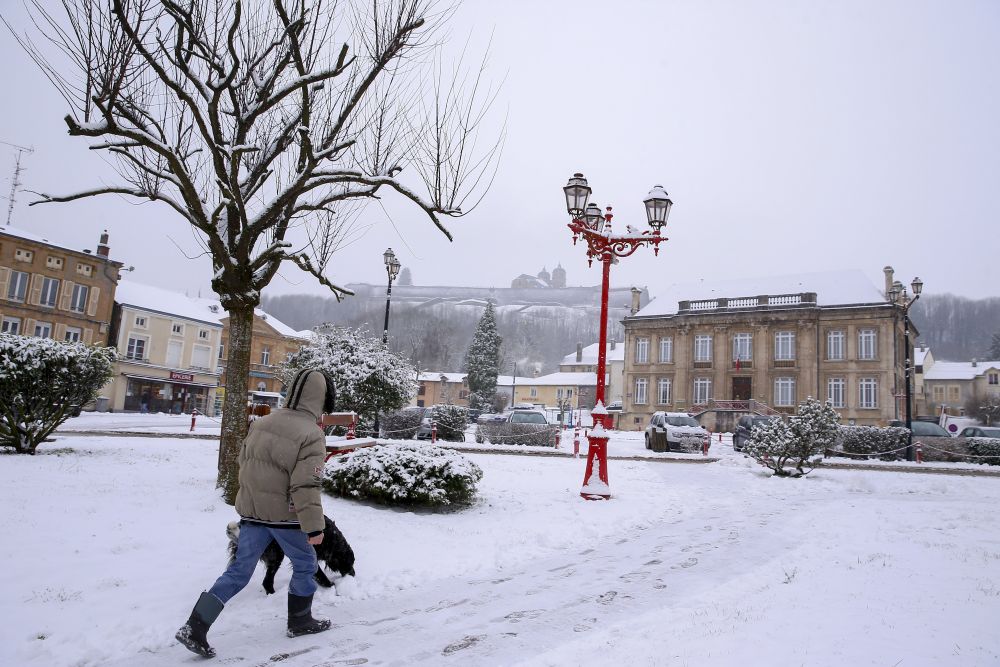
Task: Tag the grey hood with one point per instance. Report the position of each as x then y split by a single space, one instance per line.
307 393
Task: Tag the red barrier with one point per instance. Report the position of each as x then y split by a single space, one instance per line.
920 454
350 431
434 432
194 414
576 442
704 445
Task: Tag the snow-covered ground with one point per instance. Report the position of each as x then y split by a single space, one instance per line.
107 545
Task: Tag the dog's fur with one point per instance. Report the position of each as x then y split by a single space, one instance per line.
334 551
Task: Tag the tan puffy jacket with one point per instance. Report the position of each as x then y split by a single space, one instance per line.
281 461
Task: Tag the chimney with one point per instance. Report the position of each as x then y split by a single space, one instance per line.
973 362
888 280
612 344
636 293
579 352
102 248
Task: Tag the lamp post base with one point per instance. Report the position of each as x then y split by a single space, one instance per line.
595 481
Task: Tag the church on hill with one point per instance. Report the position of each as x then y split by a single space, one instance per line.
542 281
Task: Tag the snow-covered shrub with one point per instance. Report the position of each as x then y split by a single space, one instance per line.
369 378
506 433
809 433
451 421
988 447
42 381
402 424
869 439
403 474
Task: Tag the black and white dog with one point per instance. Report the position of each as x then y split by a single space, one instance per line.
334 551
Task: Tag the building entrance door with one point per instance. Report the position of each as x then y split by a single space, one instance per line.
742 389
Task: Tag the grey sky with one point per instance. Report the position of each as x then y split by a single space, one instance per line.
792 136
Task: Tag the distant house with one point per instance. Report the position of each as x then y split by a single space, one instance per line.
573 389
438 388
585 360
950 385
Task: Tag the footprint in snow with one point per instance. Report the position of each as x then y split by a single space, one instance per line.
462 644
690 562
587 624
606 598
518 616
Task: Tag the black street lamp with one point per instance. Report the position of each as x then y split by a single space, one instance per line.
392 270
899 297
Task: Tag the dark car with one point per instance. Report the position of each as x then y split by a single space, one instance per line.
923 429
744 427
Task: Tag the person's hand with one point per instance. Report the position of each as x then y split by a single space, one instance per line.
316 540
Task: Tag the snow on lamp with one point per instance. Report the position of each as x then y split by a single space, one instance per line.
577 193
658 205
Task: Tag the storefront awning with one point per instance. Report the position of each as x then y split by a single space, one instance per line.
149 378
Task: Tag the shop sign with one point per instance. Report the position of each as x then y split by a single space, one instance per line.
183 377
258 374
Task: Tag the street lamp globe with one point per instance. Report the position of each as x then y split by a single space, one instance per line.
593 216
658 205
388 256
393 268
577 193
918 286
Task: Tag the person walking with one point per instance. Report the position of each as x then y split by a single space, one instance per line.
281 461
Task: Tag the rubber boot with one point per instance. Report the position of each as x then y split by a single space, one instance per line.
193 634
300 620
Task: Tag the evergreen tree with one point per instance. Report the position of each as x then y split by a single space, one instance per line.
482 361
994 351
405 277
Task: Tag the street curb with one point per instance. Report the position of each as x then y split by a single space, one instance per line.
139 434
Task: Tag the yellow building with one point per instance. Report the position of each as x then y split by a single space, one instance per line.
436 388
558 389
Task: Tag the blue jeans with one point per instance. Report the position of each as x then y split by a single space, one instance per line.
254 538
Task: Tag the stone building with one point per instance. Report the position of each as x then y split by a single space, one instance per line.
438 388
722 349
585 360
950 386
51 290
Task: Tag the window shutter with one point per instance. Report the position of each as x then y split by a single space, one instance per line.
88 336
60 332
29 328
67 295
95 294
35 296
4 281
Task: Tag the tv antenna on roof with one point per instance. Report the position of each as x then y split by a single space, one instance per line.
15 181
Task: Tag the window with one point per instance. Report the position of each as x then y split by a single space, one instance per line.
702 390
784 392
703 348
835 392
533 393
265 355
866 344
422 389
835 345
43 329
200 354
140 322
642 350
222 350
79 302
784 346
261 386
938 393
641 384
84 269
742 347
868 393
11 325
73 334
55 263
50 290
203 334
136 348
17 289
175 349
954 393
663 391
24 255
666 350
176 329
569 393
994 378
559 393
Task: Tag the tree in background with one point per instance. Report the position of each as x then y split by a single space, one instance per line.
42 382
985 409
405 278
267 126
369 378
482 361
994 352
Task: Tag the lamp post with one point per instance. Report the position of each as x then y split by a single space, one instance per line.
594 228
899 297
392 269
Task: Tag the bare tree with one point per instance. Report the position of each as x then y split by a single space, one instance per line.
264 123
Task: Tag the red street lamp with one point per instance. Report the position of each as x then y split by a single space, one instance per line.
595 228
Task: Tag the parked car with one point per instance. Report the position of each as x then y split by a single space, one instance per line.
517 427
980 432
474 415
424 432
921 429
939 444
520 416
744 427
489 417
675 431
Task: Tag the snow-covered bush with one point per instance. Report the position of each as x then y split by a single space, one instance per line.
403 474
369 378
451 421
402 424
41 382
988 447
506 433
779 443
869 439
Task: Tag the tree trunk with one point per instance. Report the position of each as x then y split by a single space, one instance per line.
234 420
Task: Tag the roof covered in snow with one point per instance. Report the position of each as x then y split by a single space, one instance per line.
832 288
435 376
919 354
589 357
31 236
561 379
960 370
509 380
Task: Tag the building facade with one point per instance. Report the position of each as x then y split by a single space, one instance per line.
168 347
585 360
719 350
950 386
435 388
570 390
53 291
272 343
